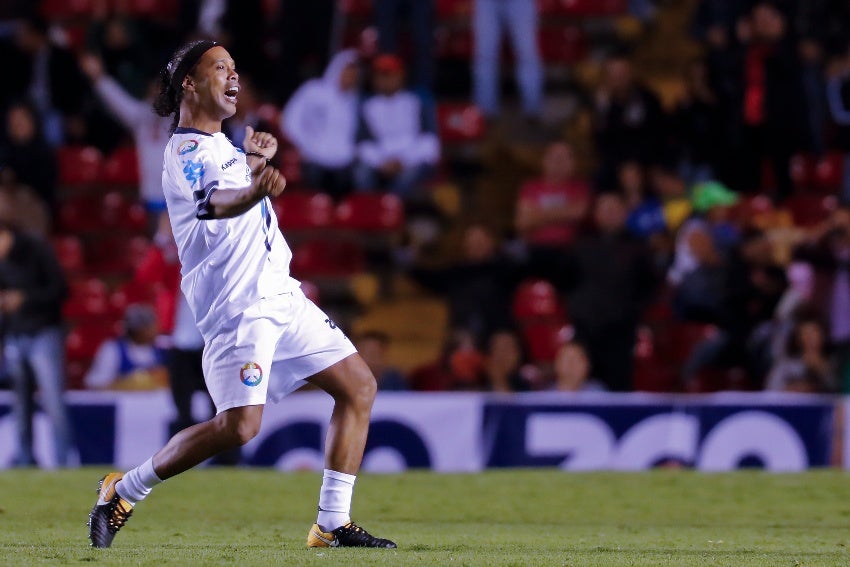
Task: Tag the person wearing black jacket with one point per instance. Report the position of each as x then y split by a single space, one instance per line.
32 288
609 279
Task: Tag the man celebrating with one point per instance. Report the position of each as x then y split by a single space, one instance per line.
263 337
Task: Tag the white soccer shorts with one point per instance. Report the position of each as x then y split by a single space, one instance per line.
269 350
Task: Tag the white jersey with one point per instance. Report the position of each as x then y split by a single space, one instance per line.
227 264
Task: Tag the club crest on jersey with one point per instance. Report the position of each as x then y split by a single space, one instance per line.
187 146
251 374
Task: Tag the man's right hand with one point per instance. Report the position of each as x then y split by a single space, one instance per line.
270 182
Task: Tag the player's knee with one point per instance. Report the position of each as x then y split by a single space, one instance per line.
240 425
363 387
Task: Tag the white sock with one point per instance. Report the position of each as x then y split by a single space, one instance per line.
138 482
335 500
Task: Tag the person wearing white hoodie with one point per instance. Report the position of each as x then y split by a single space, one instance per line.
321 121
150 132
398 148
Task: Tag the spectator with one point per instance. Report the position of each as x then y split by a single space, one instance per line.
53 81
420 18
398 146
459 367
828 251
159 271
646 219
697 126
32 288
372 346
709 233
550 210
31 214
504 366
773 101
606 298
517 18
478 287
572 370
133 361
838 96
321 121
150 132
628 120
806 365
124 56
672 190
29 159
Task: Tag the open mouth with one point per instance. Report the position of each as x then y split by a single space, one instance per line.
231 94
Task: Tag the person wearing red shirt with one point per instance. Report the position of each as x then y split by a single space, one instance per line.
550 209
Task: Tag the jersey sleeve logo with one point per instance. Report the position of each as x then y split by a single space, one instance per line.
193 170
187 147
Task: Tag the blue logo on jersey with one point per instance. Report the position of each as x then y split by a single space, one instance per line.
193 170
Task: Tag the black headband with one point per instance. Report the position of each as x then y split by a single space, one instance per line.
188 62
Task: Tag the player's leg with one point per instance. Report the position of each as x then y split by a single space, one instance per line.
353 388
119 493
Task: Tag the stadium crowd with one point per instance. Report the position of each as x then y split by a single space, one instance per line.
692 242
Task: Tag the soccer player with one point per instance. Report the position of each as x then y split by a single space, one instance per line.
263 337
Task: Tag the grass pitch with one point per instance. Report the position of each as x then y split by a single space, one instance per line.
261 517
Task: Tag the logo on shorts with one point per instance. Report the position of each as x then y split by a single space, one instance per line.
187 146
251 374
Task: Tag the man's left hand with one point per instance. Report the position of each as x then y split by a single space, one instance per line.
260 142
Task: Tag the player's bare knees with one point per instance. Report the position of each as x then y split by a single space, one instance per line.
362 386
240 425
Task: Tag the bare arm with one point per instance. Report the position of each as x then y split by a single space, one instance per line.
228 203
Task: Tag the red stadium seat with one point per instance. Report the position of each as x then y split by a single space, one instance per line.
79 165
290 165
454 9
802 171
328 258
119 214
537 299
460 122
371 212
311 290
583 8
121 167
64 9
69 252
118 254
159 9
87 299
828 173
562 45
303 210
452 42
809 209
80 215
543 339
356 8
83 340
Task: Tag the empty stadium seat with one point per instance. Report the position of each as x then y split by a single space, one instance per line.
117 213
829 172
562 45
371 212
87 299
543 339
79 165
583 8
69 252
810 209
64 9
460 122
328 258
118 254
83 340
356 8
121 167
802 168
80 215
454 9
300 210
537 299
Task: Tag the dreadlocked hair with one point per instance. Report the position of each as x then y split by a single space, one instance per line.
167 103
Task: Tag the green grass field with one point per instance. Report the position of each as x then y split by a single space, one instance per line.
261 517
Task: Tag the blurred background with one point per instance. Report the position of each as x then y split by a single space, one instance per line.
488 195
